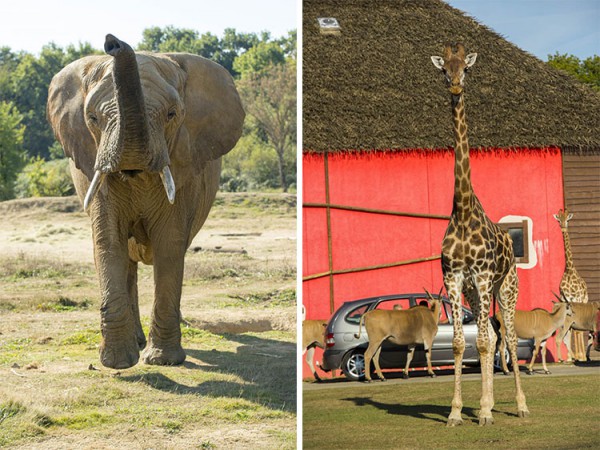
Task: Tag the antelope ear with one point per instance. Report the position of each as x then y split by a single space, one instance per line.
569 217
214 115
556 217
438 62
65 111
470 59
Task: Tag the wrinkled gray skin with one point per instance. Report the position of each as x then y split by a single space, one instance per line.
129 121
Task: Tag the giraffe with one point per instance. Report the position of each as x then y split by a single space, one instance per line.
572 286
477 257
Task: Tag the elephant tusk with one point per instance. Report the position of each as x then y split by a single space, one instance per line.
96 183
168 183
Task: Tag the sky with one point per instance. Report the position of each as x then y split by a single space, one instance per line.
30 24
541 27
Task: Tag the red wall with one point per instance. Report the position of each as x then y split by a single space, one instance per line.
524 183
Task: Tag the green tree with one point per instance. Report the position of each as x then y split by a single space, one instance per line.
42 178
11 150
270 98
587 71
259 59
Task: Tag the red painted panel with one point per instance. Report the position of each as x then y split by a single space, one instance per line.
525 183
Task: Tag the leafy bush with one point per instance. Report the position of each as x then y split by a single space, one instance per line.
42 178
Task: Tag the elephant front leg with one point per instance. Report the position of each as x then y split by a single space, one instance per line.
164 339
119 346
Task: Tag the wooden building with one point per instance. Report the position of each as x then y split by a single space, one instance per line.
378 159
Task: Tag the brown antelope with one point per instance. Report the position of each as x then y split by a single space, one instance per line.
537 324
417 325
313 335
584 318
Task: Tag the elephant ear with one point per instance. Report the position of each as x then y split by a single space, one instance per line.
65 111
214 114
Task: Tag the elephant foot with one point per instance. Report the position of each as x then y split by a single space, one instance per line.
158 356
119 355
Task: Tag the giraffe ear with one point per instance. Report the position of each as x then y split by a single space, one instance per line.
438 62
470 59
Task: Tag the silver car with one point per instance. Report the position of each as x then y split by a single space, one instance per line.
344 351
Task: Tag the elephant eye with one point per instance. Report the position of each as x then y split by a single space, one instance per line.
92 118
172 114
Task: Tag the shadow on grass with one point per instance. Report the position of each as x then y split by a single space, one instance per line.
436 413
266 366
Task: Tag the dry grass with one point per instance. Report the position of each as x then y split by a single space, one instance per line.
237 386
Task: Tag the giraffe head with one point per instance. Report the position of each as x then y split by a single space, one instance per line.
454 66
563 218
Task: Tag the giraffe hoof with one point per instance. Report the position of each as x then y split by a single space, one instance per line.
485 421
454 422
523 413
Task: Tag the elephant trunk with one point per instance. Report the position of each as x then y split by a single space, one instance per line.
127 149
132 140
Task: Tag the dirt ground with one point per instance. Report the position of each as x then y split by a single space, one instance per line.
237 386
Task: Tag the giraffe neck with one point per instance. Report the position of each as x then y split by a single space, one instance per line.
568 252
463 190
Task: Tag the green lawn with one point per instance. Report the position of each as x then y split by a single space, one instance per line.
565 412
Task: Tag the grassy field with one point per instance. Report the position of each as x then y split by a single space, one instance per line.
237 387
564 415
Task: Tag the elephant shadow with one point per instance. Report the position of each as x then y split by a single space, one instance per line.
436 413
266 368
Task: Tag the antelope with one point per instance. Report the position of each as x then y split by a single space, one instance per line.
538 324
313 335
417 325
584 318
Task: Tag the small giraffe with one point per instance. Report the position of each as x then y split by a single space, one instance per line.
572 287
477 257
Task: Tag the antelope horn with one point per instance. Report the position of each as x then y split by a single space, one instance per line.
94 186
168 183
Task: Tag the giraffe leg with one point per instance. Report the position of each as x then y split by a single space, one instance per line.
507 300
502 350
454 288
486 341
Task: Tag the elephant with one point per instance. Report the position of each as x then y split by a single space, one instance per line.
133 124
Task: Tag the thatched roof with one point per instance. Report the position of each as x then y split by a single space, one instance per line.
373 86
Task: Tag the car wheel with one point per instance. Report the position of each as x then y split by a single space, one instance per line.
353 365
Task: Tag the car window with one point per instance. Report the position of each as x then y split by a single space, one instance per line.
355 315
394 304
